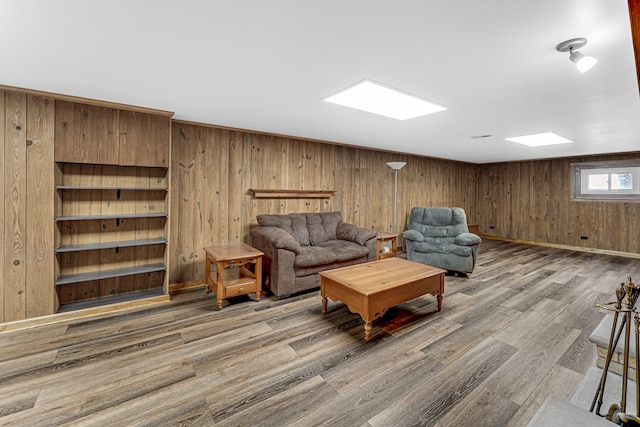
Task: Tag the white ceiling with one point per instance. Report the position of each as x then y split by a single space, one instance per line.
266 65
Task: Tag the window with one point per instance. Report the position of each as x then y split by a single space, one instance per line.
617 180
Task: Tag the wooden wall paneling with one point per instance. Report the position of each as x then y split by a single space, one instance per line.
512 201
214 203
362 195
560 195
133 147
199 196
258 178
612 234
524 218
497 222
64 131
350 184
86 133
633 224
40 206
224 209
411 192
285 167
174 223
4 286
15 207
292 162
326 176
244 219
235 195
378 205
622 231
143 139
541 209
269 161
482 195
186 185
553 197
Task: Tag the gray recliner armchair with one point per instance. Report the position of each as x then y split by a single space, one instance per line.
440 237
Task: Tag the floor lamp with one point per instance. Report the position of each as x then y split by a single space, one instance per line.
396 166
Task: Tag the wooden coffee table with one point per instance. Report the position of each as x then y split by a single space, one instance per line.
370 289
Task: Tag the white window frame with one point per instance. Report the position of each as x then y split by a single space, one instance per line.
582 171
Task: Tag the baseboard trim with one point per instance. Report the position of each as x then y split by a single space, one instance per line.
87 313
194 284
572 248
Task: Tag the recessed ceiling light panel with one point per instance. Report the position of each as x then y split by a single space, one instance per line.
379 99
540 139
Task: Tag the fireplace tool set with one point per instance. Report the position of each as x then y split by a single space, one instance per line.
627 296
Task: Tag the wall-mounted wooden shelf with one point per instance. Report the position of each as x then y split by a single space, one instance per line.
291 194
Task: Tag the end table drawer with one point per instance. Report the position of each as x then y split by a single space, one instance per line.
243 288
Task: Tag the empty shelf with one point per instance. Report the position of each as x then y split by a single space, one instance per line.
110 245
108 274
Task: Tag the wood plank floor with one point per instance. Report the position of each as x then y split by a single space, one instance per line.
510 335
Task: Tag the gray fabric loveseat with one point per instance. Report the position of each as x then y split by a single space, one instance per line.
299 245
440 237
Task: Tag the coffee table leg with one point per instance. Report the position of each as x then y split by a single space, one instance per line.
324 305
367 331
439 302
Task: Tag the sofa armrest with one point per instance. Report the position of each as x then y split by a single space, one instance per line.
413 235
468 239
354 233
276 237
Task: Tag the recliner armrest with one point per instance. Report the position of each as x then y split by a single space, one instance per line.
277 237
468 239
413 235
354 233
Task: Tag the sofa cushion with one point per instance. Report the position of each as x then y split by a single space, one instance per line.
468 239
438 222
322 226
277 236
299 227
442 247
353 233
280 221
345 250
314 255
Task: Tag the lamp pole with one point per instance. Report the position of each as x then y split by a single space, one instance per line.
396 166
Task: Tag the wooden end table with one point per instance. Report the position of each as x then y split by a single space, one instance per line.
370 289
225 257
384 238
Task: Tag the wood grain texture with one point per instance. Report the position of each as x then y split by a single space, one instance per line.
40 207
15 207
86 133
530 201
217 168
281 362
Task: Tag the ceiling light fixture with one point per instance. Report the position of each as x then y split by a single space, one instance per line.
583 63
377 98
539 139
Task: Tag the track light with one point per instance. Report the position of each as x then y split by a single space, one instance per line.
583 63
